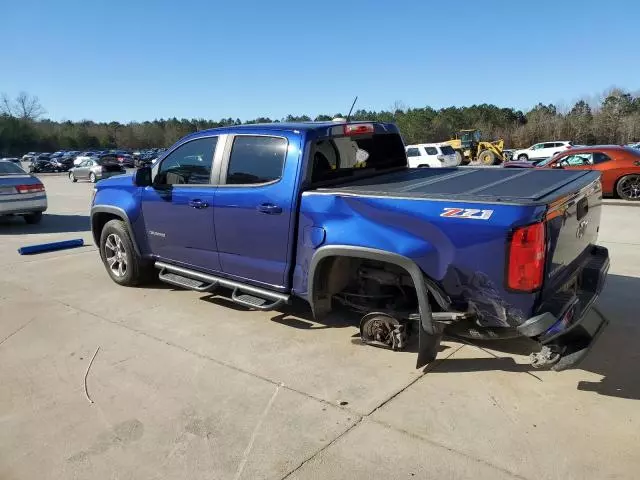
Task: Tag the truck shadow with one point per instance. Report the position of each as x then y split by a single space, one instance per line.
50 223
615 356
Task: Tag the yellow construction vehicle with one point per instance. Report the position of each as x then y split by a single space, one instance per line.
470 148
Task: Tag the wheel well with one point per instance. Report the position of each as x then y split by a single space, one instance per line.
336 279
615 186
98 221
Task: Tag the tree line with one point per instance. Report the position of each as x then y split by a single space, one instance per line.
613 119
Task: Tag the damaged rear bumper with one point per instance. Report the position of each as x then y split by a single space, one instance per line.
569 324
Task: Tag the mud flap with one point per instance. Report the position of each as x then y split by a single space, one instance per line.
428 345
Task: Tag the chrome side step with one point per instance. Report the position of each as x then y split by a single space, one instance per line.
185 282
245 295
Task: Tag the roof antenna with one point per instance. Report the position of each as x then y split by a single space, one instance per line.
351 109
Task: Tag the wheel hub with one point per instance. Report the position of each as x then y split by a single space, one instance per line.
382 330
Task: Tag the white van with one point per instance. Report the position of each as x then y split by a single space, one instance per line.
433 155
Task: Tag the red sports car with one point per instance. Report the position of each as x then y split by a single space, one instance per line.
620 167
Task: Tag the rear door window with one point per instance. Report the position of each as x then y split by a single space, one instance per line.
447 150
431 150
256 160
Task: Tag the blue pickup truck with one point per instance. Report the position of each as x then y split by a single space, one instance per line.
328 212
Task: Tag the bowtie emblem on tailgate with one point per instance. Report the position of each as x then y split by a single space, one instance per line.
582 228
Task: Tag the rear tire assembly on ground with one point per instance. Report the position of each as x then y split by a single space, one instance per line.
124 265
33 218
628 187
72 177
92 177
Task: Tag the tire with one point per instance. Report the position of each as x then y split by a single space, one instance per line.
33 218
92 177
523 157
128 268
72 177
628 188
487 157
459 158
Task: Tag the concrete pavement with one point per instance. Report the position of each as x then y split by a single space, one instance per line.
186 385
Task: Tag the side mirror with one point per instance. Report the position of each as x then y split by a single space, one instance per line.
143 177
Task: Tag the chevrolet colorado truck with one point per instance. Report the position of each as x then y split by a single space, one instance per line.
328 212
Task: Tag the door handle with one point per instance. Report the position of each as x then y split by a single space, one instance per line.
270 209
198 204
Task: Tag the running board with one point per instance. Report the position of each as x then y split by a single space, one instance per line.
185 282
245 295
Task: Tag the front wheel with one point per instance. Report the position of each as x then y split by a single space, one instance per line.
523 158
92 177
72 177
628 187
459 158
124 265
487 157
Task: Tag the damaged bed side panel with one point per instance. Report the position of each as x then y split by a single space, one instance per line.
464 256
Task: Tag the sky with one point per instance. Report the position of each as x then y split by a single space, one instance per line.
132 60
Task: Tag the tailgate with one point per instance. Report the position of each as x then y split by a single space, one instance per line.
573 222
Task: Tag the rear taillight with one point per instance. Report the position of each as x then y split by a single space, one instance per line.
526 258
37 187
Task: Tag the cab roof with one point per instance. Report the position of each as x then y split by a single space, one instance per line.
317 127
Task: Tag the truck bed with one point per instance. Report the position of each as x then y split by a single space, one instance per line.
486 185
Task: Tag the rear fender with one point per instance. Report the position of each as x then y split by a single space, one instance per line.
430 333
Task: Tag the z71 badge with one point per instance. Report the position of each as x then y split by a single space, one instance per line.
471 213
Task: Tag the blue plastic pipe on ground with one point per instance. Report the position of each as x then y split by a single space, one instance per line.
48 247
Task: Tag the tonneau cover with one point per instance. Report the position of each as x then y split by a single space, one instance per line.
530 186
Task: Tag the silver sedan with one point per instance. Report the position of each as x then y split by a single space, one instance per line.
96 168
21 194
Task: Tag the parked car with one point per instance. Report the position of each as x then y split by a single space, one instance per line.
619 166
125 160
329 212
432 155
96 168
82 157
65 161
41 156
11 159
45 165
540 151
21 194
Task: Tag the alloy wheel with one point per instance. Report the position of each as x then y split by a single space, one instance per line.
116 255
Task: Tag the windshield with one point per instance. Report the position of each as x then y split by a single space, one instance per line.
342 156
8 168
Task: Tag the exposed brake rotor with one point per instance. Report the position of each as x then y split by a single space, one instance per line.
382 330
